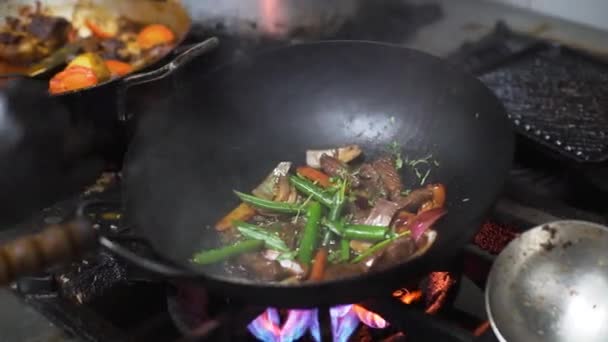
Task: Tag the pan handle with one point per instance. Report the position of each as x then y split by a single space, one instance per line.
148 264
182 58
53 245
116 248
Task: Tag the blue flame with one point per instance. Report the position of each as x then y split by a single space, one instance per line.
266 326
344 322
296 325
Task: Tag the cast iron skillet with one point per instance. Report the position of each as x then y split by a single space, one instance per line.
170 13
228 129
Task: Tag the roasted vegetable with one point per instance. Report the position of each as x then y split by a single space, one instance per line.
310 235
267 189
118 68
251 231
318 266
372 217
94 62
154 35
241 213
102 29
310 189
364 232
278 207
314 175
76 77
377 247
216 255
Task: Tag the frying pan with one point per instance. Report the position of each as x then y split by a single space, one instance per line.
227 129
550 284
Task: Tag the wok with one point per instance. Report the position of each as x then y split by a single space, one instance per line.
227 129
550 284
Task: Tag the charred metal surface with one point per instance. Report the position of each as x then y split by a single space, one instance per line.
90 278
557 97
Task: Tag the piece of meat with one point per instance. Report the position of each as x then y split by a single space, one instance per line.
371 187
389 176
261 268
335 168
110 48
359 212
367 171
26 51
382 213
12 23
10 38
339 271
395 253
415 199
49 29
289 233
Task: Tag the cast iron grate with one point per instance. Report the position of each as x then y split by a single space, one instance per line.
558 98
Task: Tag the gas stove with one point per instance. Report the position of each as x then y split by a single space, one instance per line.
102 298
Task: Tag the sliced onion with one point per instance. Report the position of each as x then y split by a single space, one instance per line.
360 246
425 220
283 191
293 195
430 235
292 266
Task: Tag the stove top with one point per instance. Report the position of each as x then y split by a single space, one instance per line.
101 298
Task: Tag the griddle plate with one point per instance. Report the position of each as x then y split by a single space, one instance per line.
558 98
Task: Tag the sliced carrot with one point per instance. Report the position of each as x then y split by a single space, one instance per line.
314 175
438 194
153 35
318 267
75 77
438 200
118 68
99 31
241 213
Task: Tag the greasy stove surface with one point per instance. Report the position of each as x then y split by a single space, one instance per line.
100 298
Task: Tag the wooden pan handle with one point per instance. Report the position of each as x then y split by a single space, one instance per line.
53 245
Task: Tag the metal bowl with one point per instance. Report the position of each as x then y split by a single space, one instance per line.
551 284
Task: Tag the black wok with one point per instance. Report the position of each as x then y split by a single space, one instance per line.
228 129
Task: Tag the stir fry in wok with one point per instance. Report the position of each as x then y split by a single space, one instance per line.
103 48
330 219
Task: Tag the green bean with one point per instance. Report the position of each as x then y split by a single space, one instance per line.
309 188
338 203
364 232
219 254
252 231
333 226
380 245
310 234
261 203
344 250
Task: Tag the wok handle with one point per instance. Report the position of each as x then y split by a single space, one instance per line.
182 58
147 264
53 245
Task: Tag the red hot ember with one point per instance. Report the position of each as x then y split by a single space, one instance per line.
493 237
